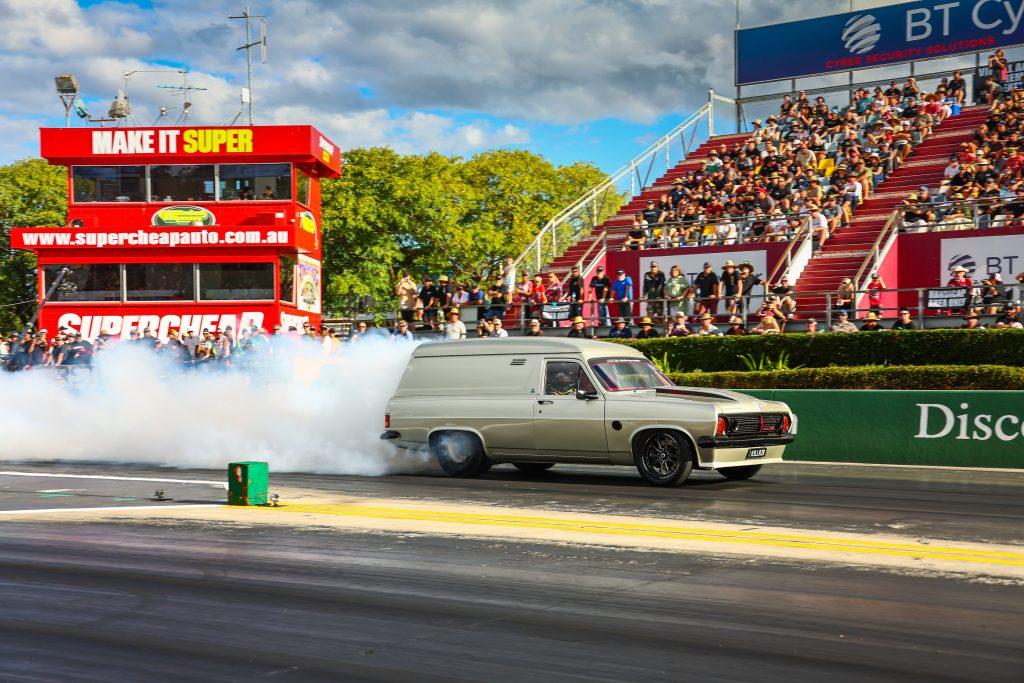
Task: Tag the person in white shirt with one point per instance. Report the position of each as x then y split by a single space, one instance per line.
498 328
725 233
454 328
819 226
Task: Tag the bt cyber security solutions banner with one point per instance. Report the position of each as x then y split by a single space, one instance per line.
1003 254
880 36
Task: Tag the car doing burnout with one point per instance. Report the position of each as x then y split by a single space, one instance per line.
535 402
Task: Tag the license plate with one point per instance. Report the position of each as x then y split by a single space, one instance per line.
757 452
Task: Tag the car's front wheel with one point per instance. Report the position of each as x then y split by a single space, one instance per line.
663 458
740 473
460 454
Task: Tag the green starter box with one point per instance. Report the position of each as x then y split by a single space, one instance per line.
247 483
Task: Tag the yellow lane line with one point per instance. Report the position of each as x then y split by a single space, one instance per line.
820 543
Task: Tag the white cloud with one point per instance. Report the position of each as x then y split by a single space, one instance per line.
433 68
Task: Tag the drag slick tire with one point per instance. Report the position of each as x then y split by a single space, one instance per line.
663 458
460 454
739 473
533 469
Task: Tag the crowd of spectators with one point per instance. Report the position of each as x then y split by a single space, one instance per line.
810 164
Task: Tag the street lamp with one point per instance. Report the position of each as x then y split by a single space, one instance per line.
67 91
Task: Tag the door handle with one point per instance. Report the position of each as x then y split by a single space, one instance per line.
545 403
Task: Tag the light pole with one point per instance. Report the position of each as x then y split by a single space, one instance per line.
67 91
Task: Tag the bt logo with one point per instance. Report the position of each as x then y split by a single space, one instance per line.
861 33
965 260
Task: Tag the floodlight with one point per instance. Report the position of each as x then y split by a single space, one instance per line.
120 108
67 84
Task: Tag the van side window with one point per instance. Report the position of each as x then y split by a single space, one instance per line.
563 378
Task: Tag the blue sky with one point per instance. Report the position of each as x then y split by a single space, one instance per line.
592 80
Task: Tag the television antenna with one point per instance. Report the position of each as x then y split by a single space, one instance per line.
249 45
184 90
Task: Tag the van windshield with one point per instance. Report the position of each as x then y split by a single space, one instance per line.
628 374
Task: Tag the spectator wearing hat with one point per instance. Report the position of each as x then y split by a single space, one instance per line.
498 299
961 280
654 290
647 330
903 321
578 325
498 328
622 293
620 330
992 293
707 327
871 323
445 293
483 329
736 327
677 326
1010 316
533 329
454 328
874 288
843 323
812 326
972 322
401 331
729 288
600 290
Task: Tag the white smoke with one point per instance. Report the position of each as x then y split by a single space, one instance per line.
135 407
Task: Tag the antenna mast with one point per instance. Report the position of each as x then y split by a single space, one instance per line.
249 45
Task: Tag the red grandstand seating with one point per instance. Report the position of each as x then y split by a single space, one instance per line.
846 250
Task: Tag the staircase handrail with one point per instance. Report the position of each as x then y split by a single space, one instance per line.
882 244
631 167
787 255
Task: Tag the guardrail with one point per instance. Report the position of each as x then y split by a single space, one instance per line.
605 199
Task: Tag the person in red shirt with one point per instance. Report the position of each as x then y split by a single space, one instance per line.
960 279
875 287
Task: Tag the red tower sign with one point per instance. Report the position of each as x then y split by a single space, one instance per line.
184 228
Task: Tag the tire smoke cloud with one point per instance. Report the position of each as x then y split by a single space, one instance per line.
299 414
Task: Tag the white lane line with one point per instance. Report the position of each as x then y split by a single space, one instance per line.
221 484
911 467
113 508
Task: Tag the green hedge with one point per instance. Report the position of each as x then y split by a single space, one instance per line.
917 347
988 377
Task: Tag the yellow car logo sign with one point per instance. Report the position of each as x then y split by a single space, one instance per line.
307 222
184 215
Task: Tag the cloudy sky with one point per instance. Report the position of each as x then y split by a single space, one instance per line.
571 79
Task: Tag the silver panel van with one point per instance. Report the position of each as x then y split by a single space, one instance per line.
538 401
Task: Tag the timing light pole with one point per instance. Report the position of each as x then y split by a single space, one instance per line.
250 44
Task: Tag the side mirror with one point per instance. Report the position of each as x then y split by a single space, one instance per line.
585 396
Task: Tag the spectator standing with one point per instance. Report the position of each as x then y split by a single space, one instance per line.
574 292
600 290
845 295
654 291
729 287
875 287
509 274
406 292
677 291
622 292
706 285
429 301
498 295
455 328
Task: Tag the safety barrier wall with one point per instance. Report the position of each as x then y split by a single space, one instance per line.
954 428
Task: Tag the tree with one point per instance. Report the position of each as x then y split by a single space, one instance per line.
31 193
434 214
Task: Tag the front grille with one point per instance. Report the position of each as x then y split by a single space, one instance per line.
753 424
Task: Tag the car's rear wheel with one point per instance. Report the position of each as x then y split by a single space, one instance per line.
533 469
740 473
460 454
663 458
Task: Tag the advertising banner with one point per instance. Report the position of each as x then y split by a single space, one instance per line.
880 36
948 297
1003 254
307 284
953 428
1014 78
163 237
